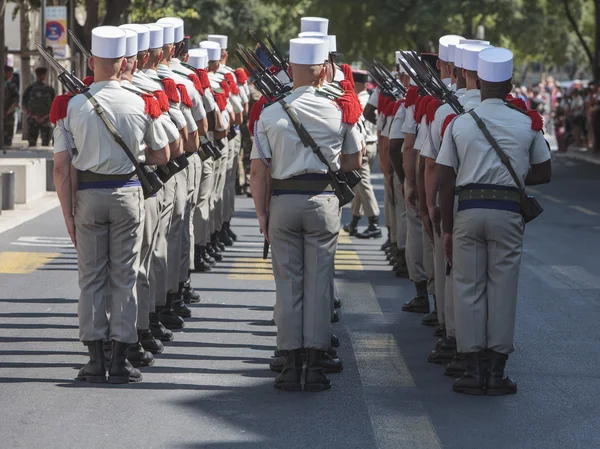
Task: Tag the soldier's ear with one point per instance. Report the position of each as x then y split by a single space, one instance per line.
123 64
91 63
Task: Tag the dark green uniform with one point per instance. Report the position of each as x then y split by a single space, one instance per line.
11 96
37 99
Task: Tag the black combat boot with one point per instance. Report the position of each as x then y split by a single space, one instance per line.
473 380
94 370
120 370
373 231
351 228
224 237
315 379
335 341
391 252
200 264
178 305
445 353
277 362
213 253
497 382
107 348
216 243
439 331
150 343
400 267
231 234
168 317
138 356
290 378
159 331
431 319
335 316
190 296
330 363
337 303
420 303
387 243
332 352
456 368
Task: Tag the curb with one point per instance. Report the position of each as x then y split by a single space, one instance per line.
577 157
10 219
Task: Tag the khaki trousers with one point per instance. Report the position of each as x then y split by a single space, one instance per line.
487 250
449 295
364 202
399 211
230 179
439 269
108 226
175 235
388 209
166 200
221 176
202 212
303 230
146 280
190 204
196 195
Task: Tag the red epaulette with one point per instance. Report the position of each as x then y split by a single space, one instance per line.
225 87
255 112
163 100
197 84
221 101
241 76
389 109
432 109
447 121
411 96
347 71
397 106
59 108
185 97
203 77
88 80
151 106
232 84
421 109
170 89
537 122
382 102
349 103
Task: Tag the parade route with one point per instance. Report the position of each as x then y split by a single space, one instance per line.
212 389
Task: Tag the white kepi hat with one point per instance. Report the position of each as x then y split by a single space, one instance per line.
108 42
444 43
219 39
177 27
495 65
198 58
143 35
169 33
309 51
329 37
470 55
473 41
318 24
157 35
131 47
213 50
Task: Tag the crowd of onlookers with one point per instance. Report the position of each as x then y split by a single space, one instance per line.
571 111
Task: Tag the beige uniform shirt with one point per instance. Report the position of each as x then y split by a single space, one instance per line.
97 149
370 130
234 100
397 123
277 139
164 71
467 150
198 111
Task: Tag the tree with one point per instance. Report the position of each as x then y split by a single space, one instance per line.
3 60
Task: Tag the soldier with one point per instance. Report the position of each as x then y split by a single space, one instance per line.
105 222
302 227
194 113
483 240
37 100
465 65
11 102
364 202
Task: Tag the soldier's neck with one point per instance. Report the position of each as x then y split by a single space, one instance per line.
166 62
127 76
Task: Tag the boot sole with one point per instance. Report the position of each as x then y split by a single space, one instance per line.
123 380
173 328
92 379
430 323
137 364
454 374
165 338
500 392
154 351
470 391
439 361
183 315
413 310
288 387
315 388
333 371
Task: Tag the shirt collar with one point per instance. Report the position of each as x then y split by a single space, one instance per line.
303 89
492 101
461 91
473 93
109 83
447 81
151 72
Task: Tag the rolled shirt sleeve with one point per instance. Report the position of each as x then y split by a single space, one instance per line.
260 148
353 139
539 151
155 136
410 125
448 155
189 119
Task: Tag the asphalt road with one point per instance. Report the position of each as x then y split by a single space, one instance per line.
212 389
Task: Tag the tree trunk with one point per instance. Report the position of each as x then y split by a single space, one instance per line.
114 11
596 66
3 62
584 44
25 57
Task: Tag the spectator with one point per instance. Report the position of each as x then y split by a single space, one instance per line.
11 101
37 100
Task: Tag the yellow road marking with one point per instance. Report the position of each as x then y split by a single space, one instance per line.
24 262
556 200
251 277
585 210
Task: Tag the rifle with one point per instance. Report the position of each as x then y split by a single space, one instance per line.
77 42
386 82
427 79
273 53
148 178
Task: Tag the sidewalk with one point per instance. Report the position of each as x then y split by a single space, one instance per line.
576 154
